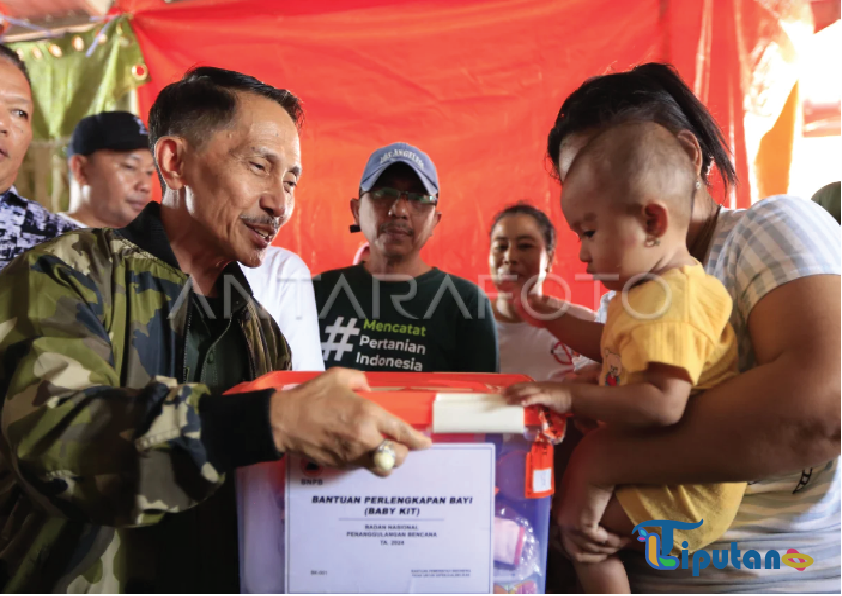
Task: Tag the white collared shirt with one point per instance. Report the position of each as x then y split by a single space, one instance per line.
283 285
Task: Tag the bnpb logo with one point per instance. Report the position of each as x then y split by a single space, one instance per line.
658 548
310 469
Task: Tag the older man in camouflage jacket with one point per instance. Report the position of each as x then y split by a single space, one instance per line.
118 345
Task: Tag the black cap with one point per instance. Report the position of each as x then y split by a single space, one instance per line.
118 131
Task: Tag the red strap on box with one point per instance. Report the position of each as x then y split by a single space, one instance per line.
540 481
552 424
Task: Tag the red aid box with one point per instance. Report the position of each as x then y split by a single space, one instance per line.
451 408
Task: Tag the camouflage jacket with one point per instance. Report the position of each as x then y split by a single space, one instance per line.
99 435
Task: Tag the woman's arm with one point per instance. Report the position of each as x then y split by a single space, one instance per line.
780 417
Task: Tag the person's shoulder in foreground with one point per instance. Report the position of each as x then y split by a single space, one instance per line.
279 260
341 283
775 241
331 276
25 223
780 219
469 314
278 278
283 286
79 251
829 198
439 282
464 286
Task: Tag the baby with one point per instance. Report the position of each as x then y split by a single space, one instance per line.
666 337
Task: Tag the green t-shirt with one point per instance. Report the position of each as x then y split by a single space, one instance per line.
432 323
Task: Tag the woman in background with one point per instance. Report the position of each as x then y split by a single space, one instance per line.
523 241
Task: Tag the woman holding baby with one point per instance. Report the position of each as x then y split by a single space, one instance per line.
724 326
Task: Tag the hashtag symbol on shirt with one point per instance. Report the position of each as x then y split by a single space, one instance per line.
342 345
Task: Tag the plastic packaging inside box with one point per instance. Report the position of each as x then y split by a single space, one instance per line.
521 524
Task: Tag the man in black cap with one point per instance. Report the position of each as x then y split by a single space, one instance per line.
111 170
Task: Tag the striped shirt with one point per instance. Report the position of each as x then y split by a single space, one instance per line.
754 251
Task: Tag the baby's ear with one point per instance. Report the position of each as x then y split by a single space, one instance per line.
656 219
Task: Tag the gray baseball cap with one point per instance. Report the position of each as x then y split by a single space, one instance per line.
386 156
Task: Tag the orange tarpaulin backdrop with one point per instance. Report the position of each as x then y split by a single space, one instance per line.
475 84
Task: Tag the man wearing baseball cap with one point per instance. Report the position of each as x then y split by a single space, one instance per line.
395 312
111 170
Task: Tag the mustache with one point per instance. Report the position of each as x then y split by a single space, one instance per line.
392 227
275 222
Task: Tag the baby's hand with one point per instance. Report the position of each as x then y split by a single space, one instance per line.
539 309
556 396
588 374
